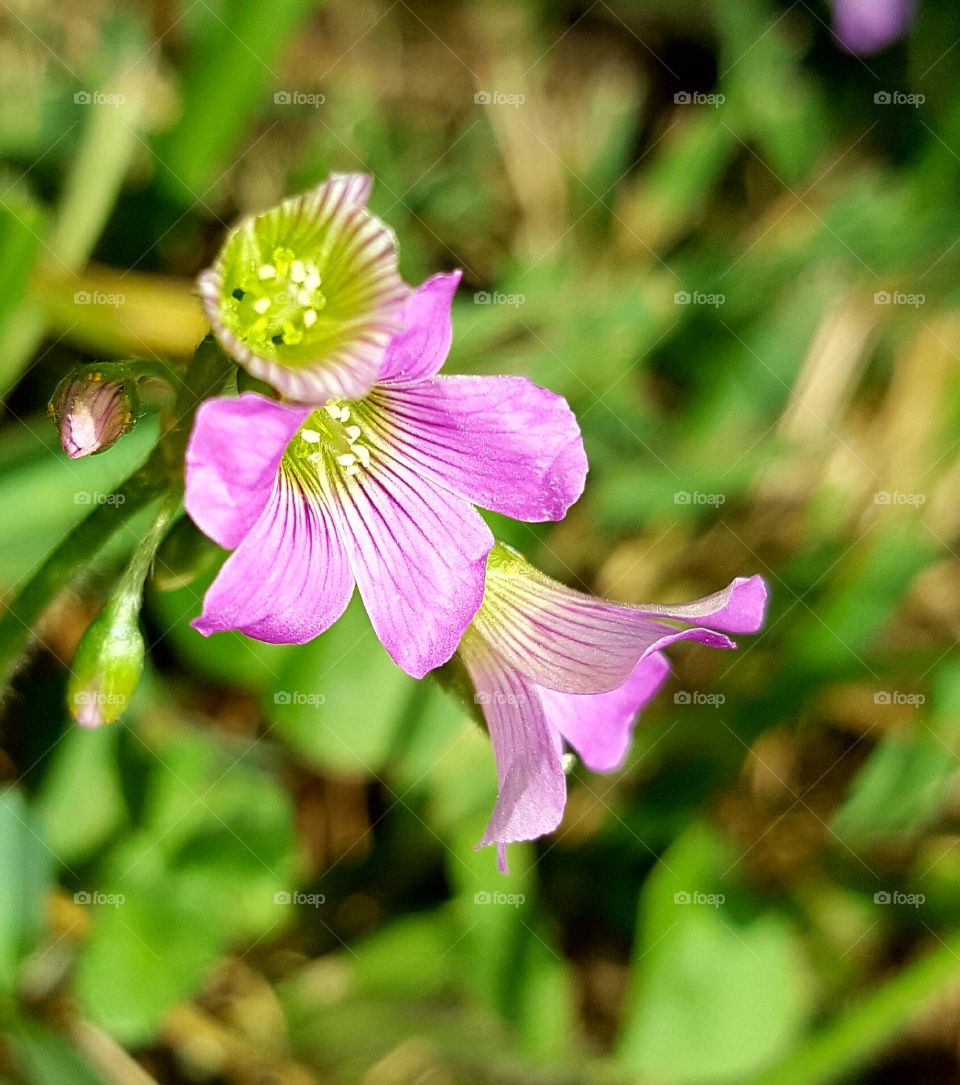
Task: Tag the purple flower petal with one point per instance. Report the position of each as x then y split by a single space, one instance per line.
422 346
564 639
232 459
501 442
598 726
532 789
288 580
418 555
739 608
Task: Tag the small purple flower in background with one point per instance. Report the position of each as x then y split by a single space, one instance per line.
91 413
551 664
377 492
867 26
307 295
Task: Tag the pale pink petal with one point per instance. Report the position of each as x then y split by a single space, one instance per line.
418 554
598 726
532 789
422 346
288 580
567 640
232 460
501 442
739 608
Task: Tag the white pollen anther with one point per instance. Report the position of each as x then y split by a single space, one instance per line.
310 436
312 281
353 432
347 459
363 454
298 272
267 271
310 318
352 470
261 305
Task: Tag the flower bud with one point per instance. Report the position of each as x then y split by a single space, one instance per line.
107 666
91 412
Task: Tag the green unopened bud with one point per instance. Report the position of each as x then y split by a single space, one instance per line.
107 666
92 410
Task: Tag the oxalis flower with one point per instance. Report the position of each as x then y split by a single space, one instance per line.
553 665
307 295
376 491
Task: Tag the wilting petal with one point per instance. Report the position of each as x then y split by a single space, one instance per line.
738 608
421 348
532 789
564 639
418 555
288 580
501 442
598 725
307 295
232 460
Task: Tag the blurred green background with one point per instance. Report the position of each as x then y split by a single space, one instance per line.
734 248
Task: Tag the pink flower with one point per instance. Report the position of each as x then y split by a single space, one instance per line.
307 295
551 664
376 492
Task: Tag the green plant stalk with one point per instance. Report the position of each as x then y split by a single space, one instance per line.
162 474
850 1041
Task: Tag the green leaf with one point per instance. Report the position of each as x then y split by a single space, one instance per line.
81 801
901 788
714 996
339 701
25 861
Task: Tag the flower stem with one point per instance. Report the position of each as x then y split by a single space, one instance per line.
161 475
855 1037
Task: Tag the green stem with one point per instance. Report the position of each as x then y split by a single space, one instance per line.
162 474
853 1039
65 563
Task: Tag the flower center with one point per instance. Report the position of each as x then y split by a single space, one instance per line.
331 435
276 303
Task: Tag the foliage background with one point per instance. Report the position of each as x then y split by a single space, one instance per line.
752 305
